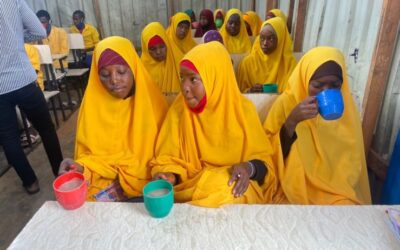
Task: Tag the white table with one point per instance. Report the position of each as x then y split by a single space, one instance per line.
128 226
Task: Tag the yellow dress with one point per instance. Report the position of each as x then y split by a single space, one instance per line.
116 137
165 73
179 47
254 21
34 58
259 68
326 164
89 33
201 147
58 43
235 44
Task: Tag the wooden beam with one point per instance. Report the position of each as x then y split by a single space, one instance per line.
290 16
377 165
380 69
300 26
97 15
253 5
270 4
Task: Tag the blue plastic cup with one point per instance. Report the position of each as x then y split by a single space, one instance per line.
158 198
330 104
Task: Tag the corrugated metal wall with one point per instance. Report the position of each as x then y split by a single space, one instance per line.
347 25
389 120
128 17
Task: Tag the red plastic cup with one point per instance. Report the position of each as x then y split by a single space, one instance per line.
70 190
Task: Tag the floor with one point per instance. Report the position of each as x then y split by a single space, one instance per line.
17 207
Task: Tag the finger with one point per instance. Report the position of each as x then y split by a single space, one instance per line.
238 186
232 179
244 187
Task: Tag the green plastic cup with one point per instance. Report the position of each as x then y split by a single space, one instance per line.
158 198
270 88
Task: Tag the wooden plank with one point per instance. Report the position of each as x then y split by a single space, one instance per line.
300 25
99 21
380 69
271 4
377 165
253 5
290 16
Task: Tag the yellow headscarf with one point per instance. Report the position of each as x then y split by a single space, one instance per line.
116 137
254 21
235 44
201 147
165 73
279 13
180 47
326 164
273 68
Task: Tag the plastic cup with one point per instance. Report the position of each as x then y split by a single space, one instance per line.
270 88
70 190
330 104
158 198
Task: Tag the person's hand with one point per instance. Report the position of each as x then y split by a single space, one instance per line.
305 110
170 177
67 165
239 174
257 88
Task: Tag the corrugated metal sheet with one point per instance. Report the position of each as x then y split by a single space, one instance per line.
389 120
128 17
347 25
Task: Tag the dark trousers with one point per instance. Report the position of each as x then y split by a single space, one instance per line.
31 101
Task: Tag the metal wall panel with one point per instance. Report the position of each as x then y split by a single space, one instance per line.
347 25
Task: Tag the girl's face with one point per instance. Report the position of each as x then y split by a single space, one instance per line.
192 87
323 83
118 80
268 39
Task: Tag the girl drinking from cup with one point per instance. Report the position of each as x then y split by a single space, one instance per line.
319 161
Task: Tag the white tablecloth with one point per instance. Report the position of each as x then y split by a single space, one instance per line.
128 226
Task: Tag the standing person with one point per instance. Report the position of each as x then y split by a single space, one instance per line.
234 33
18 87
57 38
206 23
89 33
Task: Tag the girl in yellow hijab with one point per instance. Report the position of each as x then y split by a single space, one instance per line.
254 22
219 17
118 122
158 58
319 161
212 145
271 59
234 33
179 34
276 13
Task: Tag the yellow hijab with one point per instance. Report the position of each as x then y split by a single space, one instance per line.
276 67
235 44
165 73
326 164
180 47
116 137
227 132
279 13
254 21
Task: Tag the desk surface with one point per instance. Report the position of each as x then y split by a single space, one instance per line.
128 226
59 56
